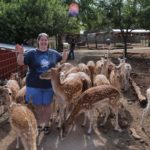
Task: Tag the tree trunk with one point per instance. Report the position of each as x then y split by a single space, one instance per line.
125 48
125 37
60 42
56 37
96 42
87 41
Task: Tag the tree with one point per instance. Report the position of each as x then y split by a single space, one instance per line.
90 17
25 19
122 14
20 20
145 13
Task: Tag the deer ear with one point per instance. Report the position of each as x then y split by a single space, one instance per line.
9 91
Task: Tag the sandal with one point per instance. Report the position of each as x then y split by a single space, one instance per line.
46 130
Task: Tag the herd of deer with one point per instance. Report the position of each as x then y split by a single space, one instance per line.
93 88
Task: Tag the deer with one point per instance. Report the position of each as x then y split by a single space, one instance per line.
20 97
16 76
84 68
146 110
91 97
22 120
100 79
67 91
91 66
102 108
98 66
115 78
125 71
14 86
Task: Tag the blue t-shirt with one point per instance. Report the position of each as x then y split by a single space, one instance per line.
39 62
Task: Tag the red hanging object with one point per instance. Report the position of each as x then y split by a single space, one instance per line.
73 9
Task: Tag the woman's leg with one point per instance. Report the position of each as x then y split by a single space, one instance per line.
39 114
42 115
46 114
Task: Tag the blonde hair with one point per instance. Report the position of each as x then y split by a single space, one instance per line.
39 36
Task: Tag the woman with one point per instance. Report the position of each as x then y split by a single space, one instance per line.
40 91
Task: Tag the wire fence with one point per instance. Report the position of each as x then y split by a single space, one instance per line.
8 64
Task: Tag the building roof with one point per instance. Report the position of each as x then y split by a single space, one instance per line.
12 46
132 31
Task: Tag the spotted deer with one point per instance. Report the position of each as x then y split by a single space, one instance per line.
125 71
115 78
100 79
102 108
92 113
84 68
91 66
22 120
20 97
65 92
98 66
91 97
14 86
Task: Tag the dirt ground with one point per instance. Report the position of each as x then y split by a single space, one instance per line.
102 138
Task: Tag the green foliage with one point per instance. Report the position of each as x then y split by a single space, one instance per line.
90 15
25 19
145 13
122 14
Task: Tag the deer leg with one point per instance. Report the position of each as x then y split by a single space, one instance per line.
57 117
91 120
60 117
66 112
17 145
24 142
107 113
145 113
117 127
84 121
126 84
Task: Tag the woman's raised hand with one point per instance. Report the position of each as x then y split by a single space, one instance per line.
19 49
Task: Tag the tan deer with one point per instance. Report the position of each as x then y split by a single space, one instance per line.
84 68
14 86
100 79
20 97
22 120
65 92
125 71
94 112
91 66
91 97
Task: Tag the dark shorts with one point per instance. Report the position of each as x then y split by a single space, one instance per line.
39 96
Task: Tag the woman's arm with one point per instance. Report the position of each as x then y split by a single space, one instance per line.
20 57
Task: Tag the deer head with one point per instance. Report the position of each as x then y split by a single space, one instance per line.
5 95
49 74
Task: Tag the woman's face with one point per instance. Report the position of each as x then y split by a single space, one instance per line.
43 43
